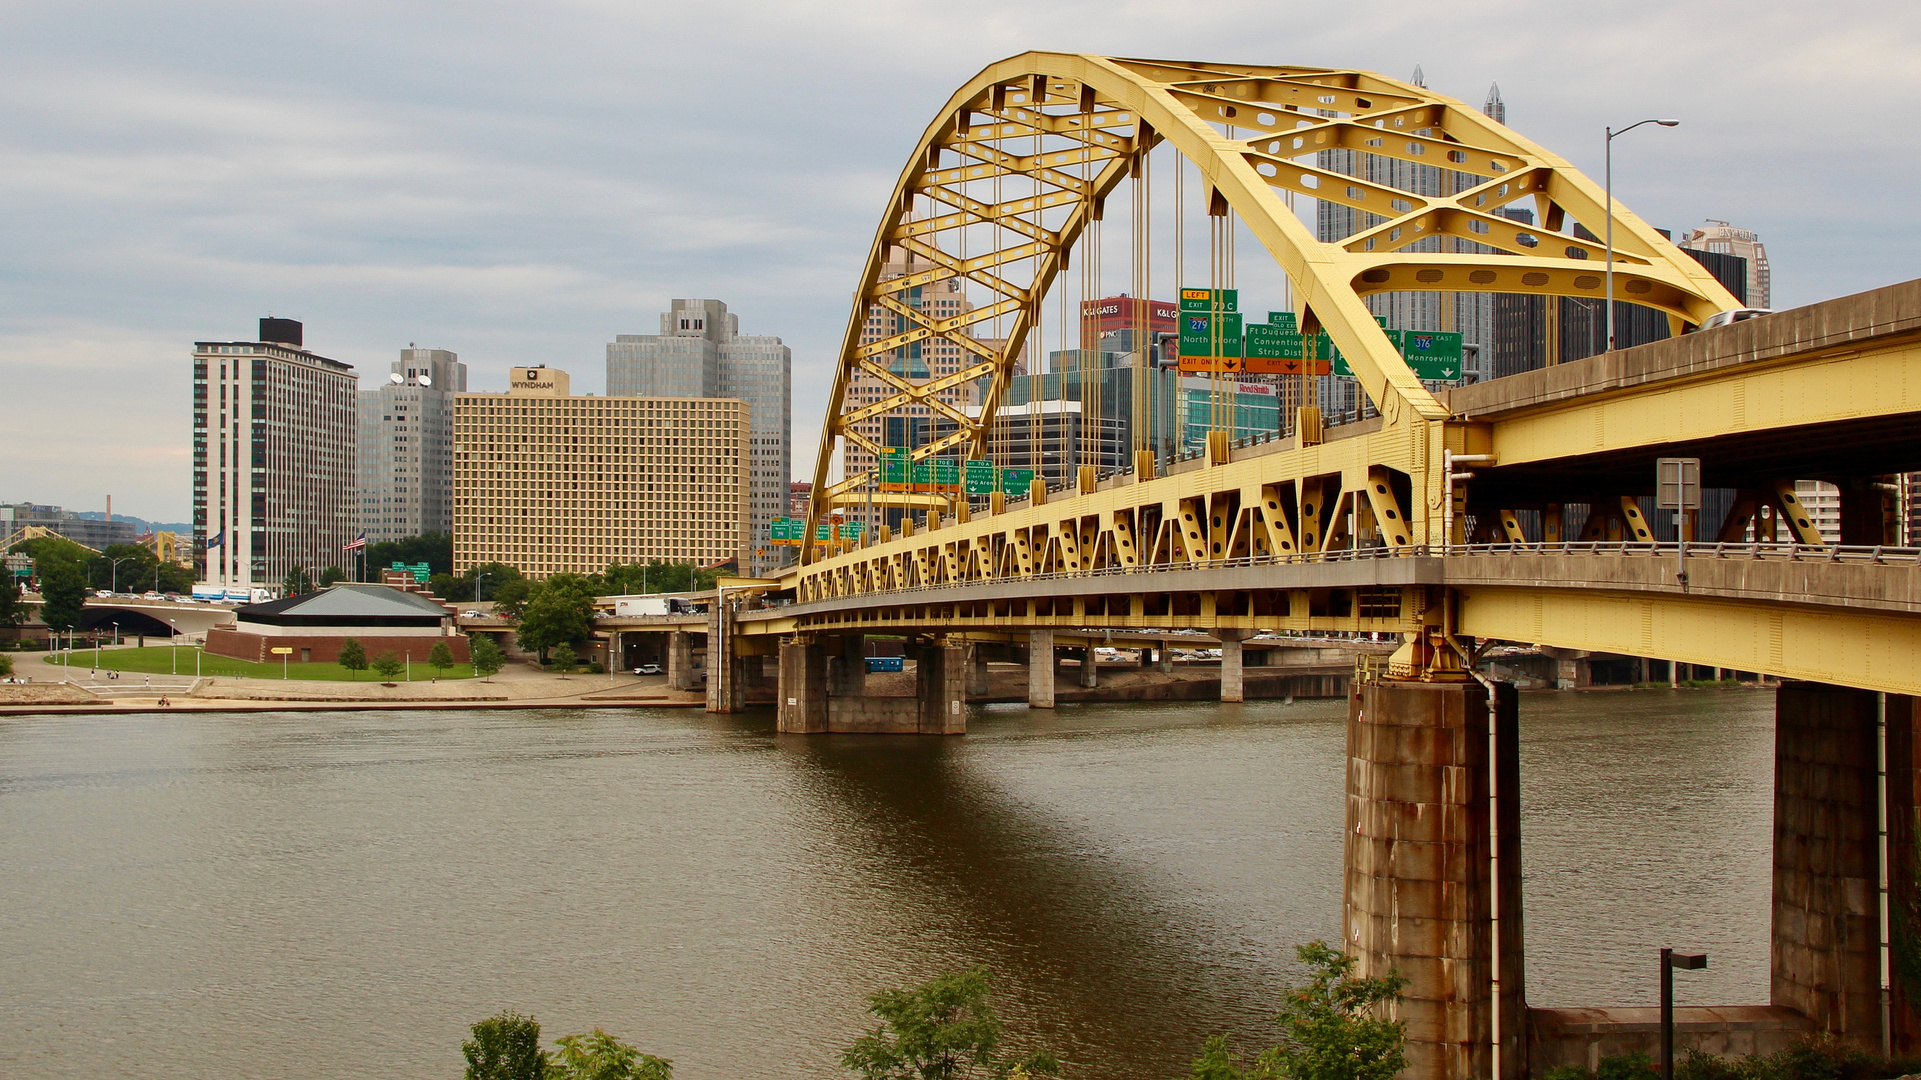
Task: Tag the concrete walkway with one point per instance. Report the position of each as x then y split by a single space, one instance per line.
518 686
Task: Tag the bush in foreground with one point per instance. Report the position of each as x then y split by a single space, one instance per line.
506 1046
1331 1029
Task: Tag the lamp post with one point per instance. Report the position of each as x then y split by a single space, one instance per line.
1611 135
113 574
1669 961
479 576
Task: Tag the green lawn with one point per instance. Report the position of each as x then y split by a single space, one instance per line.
159 659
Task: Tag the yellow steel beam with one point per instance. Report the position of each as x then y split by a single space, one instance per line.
1800 390
1109 110
1870 650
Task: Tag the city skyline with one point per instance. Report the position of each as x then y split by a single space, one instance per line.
527 214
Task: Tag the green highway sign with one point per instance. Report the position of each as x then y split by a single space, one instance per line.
947 473
1434 354
852 530
1017 482
893 469
1217 334
1270 341
1205 300
1284 320
418 570
782 528
923 472
980 476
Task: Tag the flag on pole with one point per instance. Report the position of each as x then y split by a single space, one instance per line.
217 539
357 544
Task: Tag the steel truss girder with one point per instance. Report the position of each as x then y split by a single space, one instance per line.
1190 105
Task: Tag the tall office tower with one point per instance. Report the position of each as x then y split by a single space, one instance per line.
1469 314
1724 239
701 353
407 446
548 483
273 458
916 362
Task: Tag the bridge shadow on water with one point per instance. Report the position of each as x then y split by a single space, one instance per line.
1067 851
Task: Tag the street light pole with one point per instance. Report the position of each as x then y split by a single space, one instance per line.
173 640
113 574
1611 134
1669 961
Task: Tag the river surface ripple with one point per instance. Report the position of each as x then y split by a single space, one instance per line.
321 895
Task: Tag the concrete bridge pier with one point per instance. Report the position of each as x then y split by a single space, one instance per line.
1040 669
847 668
680 660
941 683
1825 956
1090 673
1420 891
1233 682
803 692
977 679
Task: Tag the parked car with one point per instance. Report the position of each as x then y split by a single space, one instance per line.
647 669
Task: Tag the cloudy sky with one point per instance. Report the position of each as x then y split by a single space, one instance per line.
520 182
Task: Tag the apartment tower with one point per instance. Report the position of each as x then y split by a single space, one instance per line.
273 458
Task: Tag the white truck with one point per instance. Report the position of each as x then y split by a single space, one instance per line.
648 605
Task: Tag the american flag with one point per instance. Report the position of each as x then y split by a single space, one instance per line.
358 543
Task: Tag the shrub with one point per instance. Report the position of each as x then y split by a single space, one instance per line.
505 1047
563 658
353 655
387 665
596 668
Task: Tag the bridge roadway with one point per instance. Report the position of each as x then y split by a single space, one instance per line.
1323 537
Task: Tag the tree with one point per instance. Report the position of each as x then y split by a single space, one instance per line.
353 655
440 656
943 1030
511 598
63 592
333 575
449 587
505 1047
1330 1030
560 610
296 583
387 665
600 1056
12 611
6 666
564 660
486 655
434 549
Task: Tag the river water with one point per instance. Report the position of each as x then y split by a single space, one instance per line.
322 895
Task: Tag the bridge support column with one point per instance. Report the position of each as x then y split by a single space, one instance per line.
726 671
803 687
1825 954
1904 872
977 682
1233 685
847 671
1164 658
1419 889
942 682
1040 669
1090 673
680 660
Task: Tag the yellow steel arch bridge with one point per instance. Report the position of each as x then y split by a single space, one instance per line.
1500 510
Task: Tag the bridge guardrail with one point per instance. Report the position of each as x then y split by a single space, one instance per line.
1875 554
